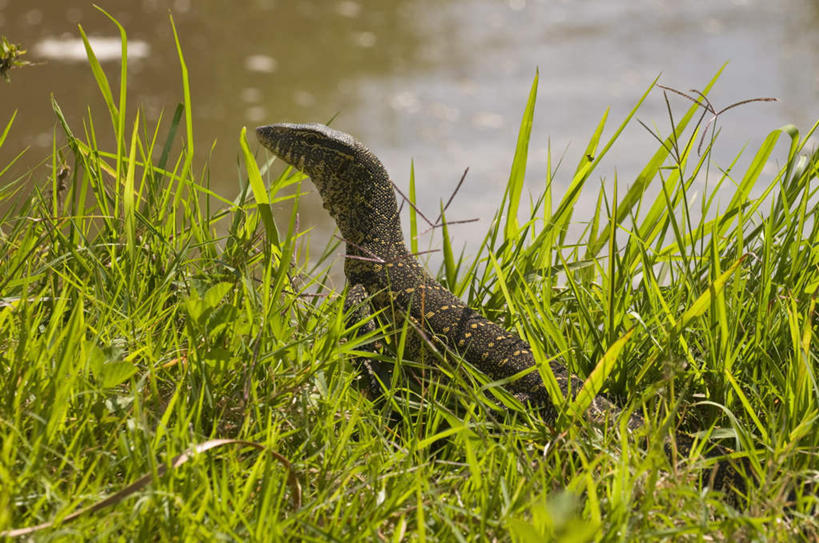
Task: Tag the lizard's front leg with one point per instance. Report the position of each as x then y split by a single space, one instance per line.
357 309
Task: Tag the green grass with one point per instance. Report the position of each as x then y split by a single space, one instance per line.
141 315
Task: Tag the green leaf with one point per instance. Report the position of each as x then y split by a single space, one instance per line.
594 383
216 357
8 127
259 190
186 91
195 307
413 215
516 175
128 195
702 303
213 296
119 125
99 77
223 316
449 257
116 373
95 358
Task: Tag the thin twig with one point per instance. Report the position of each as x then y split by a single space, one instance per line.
452 196
675 91
708 107
448 223
306 294
374 257
425 252
404 197
674 141
743 102
705 99
656 137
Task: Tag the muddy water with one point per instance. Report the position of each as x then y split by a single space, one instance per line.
442 83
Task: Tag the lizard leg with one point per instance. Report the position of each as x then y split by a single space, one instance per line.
376 373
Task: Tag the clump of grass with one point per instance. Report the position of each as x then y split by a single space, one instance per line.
11 56
137 321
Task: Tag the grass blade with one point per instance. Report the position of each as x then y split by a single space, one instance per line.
413 215
518 170
8 128
259 191
597 378
128 196
703 302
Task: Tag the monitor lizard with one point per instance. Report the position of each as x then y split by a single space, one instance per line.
356 189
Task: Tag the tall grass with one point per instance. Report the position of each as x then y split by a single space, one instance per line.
136 324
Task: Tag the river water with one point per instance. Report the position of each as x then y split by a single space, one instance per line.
440 83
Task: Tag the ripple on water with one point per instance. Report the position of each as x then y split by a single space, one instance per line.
105 48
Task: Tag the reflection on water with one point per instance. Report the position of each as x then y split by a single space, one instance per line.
440 82
73 49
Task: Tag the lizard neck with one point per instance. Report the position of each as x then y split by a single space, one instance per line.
353 184
367 216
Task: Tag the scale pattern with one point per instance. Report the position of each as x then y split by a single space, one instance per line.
356 190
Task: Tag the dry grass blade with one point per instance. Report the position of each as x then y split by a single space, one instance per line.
709 107
452 197
437 223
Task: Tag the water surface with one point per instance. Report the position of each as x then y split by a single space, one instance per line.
440 83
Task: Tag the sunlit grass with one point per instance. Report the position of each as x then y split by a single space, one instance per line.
136 322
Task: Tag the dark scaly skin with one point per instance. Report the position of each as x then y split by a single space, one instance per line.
357 191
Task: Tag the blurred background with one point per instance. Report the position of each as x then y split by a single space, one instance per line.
442 83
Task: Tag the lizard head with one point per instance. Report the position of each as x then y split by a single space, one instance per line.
353 183
334 160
